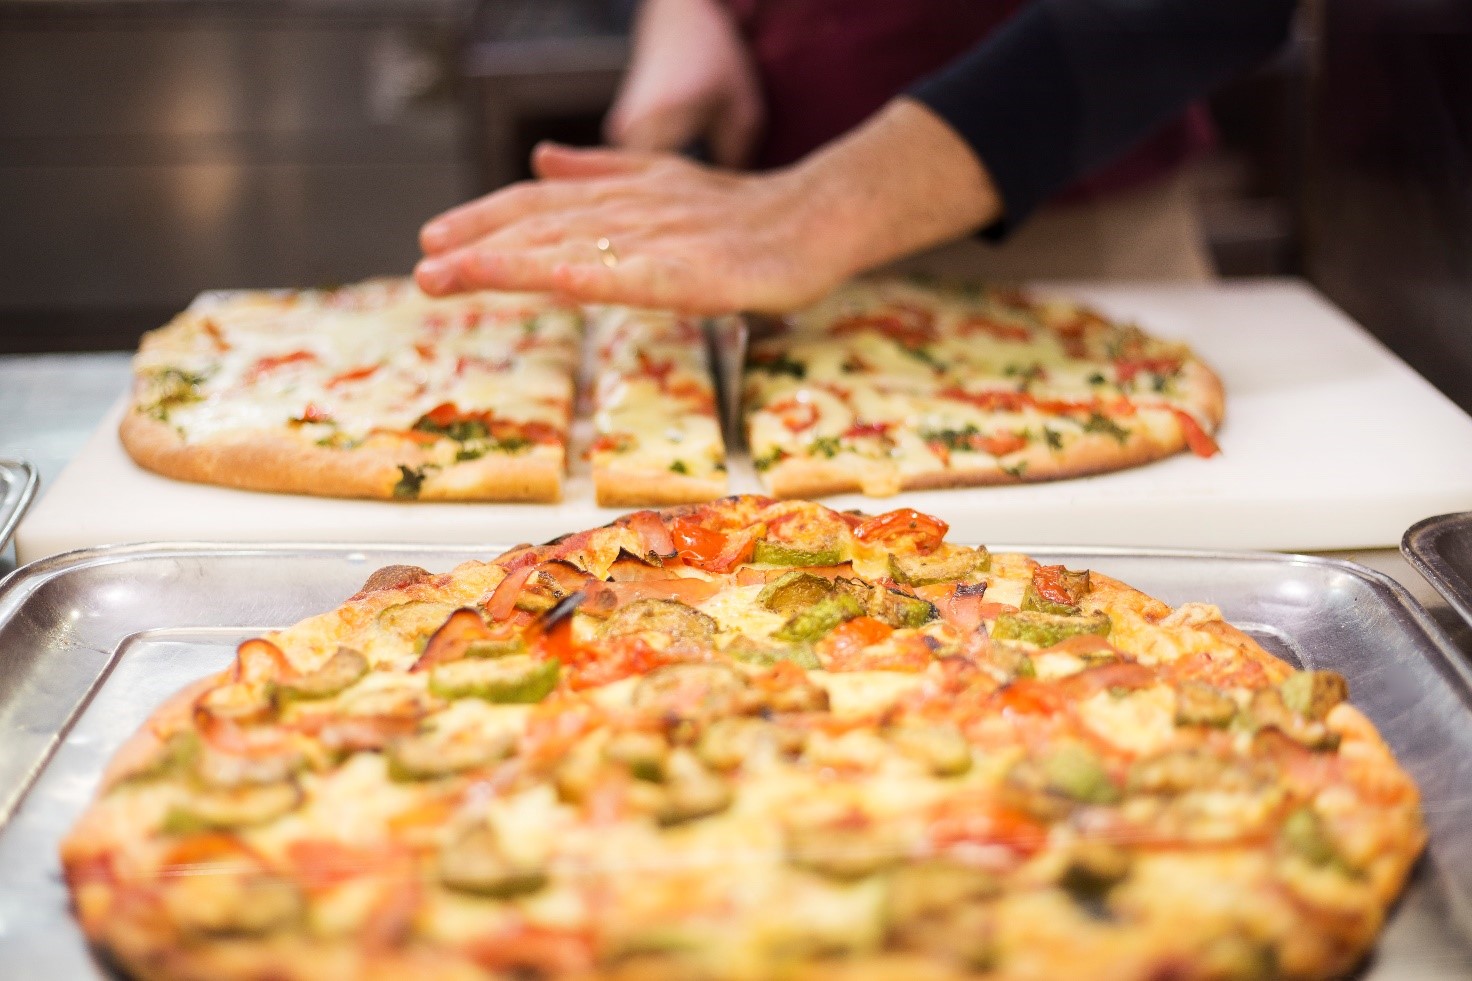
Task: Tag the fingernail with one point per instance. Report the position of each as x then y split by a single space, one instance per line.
433 236
433 274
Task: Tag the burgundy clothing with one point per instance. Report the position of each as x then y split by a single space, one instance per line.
827 65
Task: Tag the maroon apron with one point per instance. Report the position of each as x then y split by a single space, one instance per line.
827 65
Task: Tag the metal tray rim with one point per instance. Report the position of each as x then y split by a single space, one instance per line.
51 566
14 503
1419 546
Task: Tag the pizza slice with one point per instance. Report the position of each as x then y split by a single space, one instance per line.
657 437
372 390
889 385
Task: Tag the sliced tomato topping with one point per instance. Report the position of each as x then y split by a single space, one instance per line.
444 415
267 365
450 641
1049 583
908 325
692 392
313 413
259 660
655 369
411 435
535 950
207 853
795 415
81 870
425 351
708 549
861 429
608 661
847 639
1027 697
904 526
321 863
652 533
1127 368
216 337
1000 444
976 820
353 375
1197 438
979 324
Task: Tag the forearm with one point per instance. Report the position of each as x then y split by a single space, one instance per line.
901 182
1067 84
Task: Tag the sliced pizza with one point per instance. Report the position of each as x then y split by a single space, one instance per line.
372 390
891 384
657 437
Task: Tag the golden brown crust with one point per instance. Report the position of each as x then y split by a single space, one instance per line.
619 487
798 477
279 462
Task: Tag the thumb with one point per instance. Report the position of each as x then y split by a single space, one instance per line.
553 160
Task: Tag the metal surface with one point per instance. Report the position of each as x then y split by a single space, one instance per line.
18 483
92 641
1441 550
726 338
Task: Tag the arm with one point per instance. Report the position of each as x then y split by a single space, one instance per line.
1060 88
1067 84
689 78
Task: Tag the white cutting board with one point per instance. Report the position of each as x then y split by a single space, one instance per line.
1330 442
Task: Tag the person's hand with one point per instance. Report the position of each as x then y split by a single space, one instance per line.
682 236
689 78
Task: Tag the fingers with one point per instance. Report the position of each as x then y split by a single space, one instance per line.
462 225
555 161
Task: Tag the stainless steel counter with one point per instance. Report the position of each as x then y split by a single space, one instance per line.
49 404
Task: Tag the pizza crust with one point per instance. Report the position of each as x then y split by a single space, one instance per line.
617 487
265 461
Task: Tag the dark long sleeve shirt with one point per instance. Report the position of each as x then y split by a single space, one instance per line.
1066 85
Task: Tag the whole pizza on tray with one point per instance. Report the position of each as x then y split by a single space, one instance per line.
749 739
375 390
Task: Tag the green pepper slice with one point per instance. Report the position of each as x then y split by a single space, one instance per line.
768 552
515 678
1075 771
794 591
814 623
341 670
1047 629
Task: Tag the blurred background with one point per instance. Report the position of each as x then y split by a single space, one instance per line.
151 149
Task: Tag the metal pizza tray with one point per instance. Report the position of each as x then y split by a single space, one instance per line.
18 482
91 641
1441 550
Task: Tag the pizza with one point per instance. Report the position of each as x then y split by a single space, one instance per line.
657 436
371 390
894 384
749 739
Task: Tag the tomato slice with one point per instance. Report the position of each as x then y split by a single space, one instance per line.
961 821
258 659
352 375
848 638
1000 444
1197 438
708 549
902 526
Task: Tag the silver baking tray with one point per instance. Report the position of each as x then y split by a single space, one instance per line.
91 641
18 482
1441 550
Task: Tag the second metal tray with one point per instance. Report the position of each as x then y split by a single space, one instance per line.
92 641
1441 550
18 482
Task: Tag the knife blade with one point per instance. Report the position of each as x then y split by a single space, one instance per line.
726 340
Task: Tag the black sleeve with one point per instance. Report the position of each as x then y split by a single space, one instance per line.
1067 84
